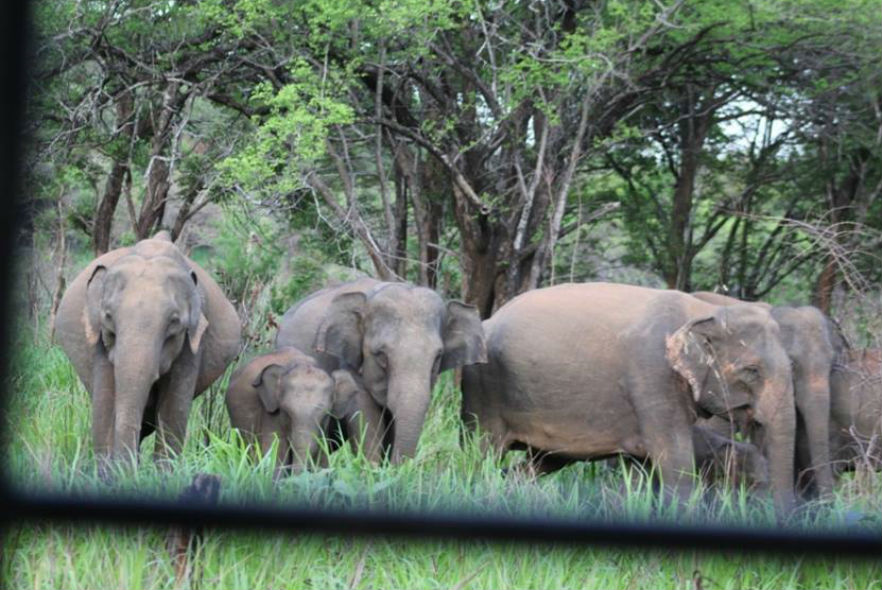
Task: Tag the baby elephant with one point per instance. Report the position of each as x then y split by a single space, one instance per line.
285 394
721 458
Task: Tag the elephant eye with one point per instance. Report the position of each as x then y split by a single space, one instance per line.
381 359
750 375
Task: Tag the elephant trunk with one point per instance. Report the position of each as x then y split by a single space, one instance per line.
776 417
813 404
304 444
135 371
408 402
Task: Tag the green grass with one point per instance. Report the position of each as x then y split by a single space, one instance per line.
48 448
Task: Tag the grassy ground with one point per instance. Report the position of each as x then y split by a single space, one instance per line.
48 447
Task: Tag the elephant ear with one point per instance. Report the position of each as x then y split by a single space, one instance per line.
690 354
464 342
197 323
342 330
92 310
267 385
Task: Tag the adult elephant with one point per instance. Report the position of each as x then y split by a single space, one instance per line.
812 344
856 411
585 371
397 336
147 330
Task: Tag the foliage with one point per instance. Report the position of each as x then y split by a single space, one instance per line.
307 275
445 139
247 253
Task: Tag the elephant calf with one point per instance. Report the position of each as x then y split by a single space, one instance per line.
285 395
719 457
147 330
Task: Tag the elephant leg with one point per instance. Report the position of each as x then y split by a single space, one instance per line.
480 416
283 452
175 396
265 443
366 428
102 411
667 437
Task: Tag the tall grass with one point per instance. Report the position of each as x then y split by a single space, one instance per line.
48 447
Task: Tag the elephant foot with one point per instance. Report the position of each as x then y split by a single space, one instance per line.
105 471
281 472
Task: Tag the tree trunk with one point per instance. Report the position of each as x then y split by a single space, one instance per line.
435 188
823 295
60 282
155 197
186 210
481 243
158 180
401 192
103 221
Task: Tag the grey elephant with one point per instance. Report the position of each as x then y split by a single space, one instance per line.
720 457
812 344
147 330
586 371
286 395
856 411
398 337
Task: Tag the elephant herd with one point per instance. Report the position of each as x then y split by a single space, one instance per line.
571 372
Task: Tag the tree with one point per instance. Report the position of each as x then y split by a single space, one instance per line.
725 145
486 114
117 83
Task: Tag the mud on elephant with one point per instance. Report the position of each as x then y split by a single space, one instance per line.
593 370
398 337
147 330
284 395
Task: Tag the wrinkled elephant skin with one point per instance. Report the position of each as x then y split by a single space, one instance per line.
147 330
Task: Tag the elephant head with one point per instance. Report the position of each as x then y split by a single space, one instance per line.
303 395
736 368
142 313
401 337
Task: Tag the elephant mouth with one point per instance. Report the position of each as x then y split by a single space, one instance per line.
742 417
